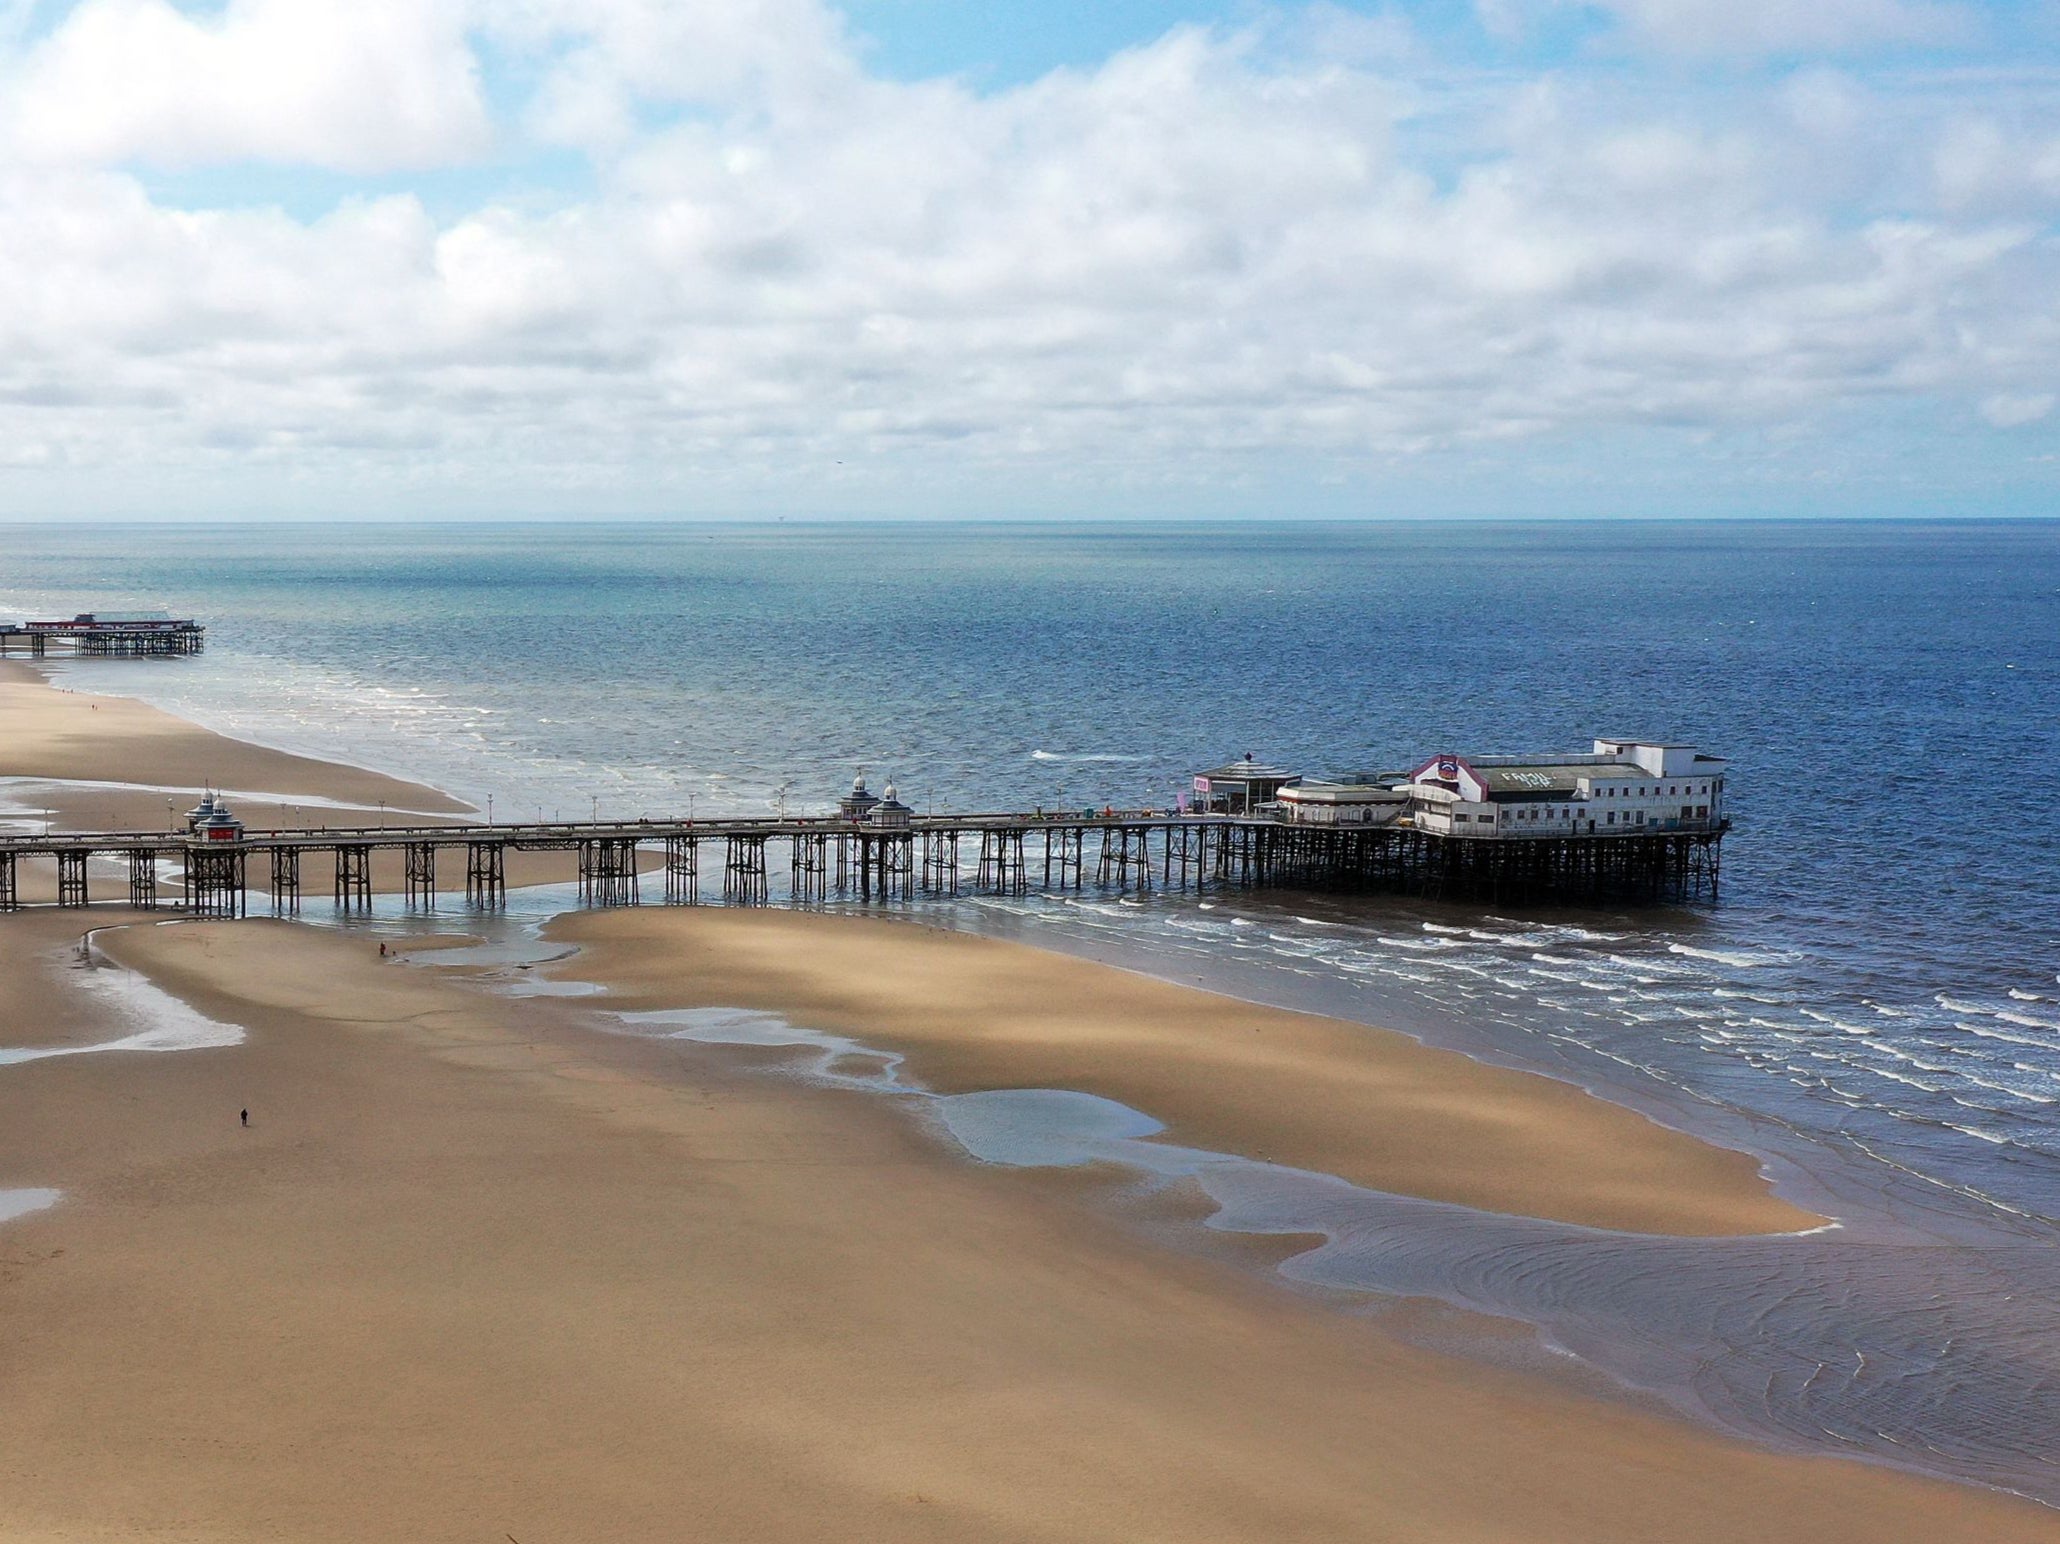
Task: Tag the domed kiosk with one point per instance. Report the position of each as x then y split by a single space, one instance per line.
890 814
858 803
220 826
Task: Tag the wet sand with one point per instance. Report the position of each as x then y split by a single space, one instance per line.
478 1271
1368 1105
59 735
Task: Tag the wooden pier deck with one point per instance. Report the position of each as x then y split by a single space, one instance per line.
737 861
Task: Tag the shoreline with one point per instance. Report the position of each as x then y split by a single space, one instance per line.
482 1243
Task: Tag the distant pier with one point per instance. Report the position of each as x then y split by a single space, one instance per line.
105 633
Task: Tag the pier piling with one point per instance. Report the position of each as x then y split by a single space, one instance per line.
683 870
285 886
143 879
71 879
354 876
486 878
418 875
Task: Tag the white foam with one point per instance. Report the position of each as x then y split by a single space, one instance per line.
1738 959
19 1203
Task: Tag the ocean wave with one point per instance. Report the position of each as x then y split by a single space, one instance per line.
1084 756
1987 1033
2026 1021
1736 958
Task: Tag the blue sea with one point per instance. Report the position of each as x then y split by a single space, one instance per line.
1873 1006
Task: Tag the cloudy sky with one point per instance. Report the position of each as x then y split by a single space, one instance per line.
1029 257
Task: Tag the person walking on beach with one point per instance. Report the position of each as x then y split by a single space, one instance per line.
245 1116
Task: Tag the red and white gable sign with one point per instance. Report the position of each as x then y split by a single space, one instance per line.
1452 771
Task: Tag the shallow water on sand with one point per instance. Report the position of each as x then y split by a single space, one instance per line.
1888 1348
157 1021
19 1203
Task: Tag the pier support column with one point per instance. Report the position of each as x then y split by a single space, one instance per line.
1186 856
608 871
683 870
10 892
143 880
743 870
1126 857
285 880
1063 847
71 878
809 866
486 877
940 862
886 866
419 873
898 866
215 880
354 876
1001 862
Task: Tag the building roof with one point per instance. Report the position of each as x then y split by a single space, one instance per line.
1248 772
1344 793
1507 775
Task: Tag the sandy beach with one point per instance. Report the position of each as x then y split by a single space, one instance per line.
1365 1104
478 1270
87 761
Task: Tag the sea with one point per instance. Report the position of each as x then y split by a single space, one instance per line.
1872 1006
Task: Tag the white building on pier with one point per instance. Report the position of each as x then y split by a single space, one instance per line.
1311 802
1623 787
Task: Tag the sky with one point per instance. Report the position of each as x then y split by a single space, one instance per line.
925 258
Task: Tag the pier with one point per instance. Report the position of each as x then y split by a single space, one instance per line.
103 633
220 870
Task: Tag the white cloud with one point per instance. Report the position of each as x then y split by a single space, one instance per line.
607 59
1750 28
2012 412
1208 257
353 85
